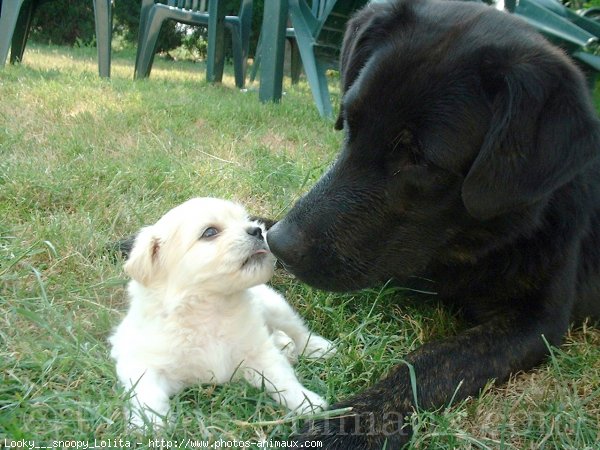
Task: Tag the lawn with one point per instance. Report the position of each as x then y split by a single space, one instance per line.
86 161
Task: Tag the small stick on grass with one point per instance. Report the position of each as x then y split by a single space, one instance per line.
322 415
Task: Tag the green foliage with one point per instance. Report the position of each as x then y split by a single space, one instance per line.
196 43
64 22
71 22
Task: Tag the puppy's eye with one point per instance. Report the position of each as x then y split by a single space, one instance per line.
209 232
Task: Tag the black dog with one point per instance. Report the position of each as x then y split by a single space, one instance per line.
471 156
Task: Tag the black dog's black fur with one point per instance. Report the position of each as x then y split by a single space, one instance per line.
472 157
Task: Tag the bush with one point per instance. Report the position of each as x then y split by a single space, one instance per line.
64 22
71 22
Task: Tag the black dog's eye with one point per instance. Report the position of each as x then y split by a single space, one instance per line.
209 232
404 153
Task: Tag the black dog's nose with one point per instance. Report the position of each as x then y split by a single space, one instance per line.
255 231
285 243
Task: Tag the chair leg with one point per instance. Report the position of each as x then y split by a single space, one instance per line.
304 22
8 21
144 12
326 109
155 19
295 61
103 20
245 19
256 62
22 28
215 57
273 49
238 56
315 73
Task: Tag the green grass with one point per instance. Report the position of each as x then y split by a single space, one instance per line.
85 161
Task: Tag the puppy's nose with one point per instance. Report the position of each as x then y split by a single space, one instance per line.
255 232
285 242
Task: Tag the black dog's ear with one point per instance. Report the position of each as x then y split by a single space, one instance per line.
268 223
360 40
543 130
125 245
354 54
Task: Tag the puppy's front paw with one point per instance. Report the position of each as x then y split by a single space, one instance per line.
140 420
318 347
286 345
305 402
136 423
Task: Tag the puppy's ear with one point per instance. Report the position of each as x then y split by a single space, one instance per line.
144 258
268 223
363 34
543 130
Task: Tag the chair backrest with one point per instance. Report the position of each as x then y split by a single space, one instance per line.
201 6
192 5
557 24
333 17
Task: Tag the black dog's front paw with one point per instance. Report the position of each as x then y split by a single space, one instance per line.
365 431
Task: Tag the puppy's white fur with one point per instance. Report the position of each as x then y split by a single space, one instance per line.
200 312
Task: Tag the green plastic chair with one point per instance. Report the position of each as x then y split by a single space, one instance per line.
295 62
561 25
319 37
192 12
577 34
590 13
15 23
290 35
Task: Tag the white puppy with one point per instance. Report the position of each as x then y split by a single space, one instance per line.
200 312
